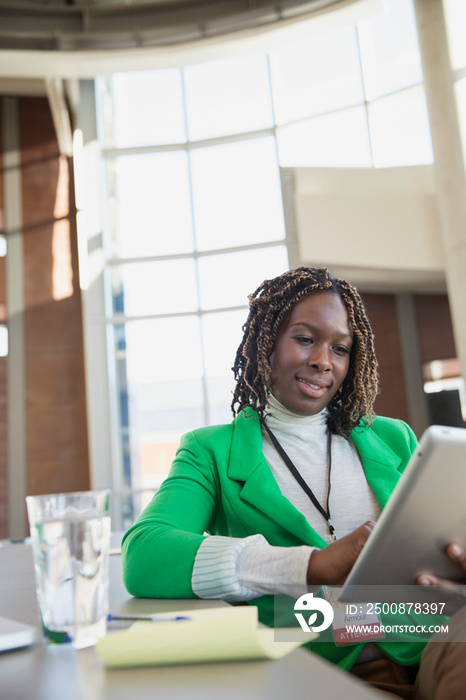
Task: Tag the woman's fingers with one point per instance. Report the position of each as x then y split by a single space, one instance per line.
332 564
363 532
454 592
456 552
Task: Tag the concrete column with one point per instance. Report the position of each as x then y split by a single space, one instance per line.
448 154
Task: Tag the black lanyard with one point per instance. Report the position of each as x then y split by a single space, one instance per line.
300 480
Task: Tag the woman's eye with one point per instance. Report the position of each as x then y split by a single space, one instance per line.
341 350
304 339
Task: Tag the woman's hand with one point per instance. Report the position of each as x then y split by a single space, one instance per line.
455 593
332 564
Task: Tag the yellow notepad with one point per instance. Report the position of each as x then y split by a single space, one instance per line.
214 634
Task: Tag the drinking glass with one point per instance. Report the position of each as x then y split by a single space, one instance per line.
70 542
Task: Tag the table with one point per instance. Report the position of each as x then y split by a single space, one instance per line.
38 673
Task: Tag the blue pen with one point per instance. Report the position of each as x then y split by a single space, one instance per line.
151 618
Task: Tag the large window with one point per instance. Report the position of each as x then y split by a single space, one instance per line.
194 214
194 222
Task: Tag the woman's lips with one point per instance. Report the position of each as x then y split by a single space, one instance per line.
315 391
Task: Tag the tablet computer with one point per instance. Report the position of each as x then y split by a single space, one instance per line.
426 511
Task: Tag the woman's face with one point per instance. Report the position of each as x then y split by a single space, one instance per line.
311 355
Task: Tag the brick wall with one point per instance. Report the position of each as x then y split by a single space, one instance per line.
434 327
392 400
436 342
57 452
56 426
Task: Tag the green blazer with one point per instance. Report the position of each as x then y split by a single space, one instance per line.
221 484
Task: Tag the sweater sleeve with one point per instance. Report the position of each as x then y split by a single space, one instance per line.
240 569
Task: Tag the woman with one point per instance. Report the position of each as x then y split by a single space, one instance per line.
290 490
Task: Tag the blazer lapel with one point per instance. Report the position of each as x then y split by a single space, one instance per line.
247 464
379 461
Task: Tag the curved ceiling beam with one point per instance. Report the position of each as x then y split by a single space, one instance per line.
80 25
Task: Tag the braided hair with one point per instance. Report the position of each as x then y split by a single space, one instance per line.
268 306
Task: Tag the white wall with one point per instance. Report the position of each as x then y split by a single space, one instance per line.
376 227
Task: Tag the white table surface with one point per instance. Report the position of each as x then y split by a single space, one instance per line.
38 673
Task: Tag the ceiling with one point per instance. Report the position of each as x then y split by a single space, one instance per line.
83 25
46 46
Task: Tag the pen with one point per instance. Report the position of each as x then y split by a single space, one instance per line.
152 618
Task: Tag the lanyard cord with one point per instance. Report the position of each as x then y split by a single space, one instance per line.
300 480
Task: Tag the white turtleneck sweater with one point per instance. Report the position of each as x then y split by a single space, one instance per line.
239 569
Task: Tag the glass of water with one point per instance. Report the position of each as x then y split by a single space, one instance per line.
70 541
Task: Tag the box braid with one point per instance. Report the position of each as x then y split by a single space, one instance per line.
268 306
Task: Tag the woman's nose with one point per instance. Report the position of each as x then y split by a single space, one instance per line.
320 358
